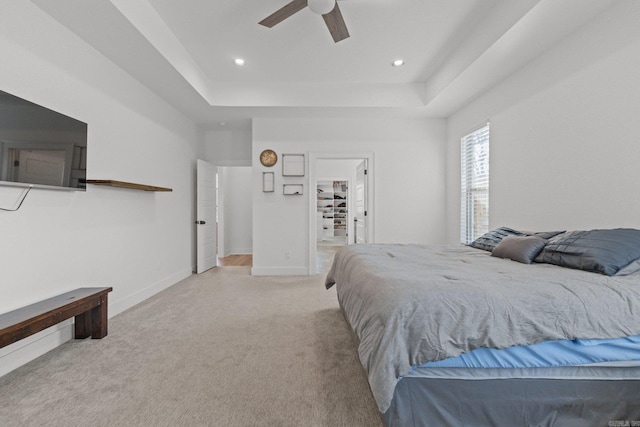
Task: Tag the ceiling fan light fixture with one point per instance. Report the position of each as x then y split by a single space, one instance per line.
321 7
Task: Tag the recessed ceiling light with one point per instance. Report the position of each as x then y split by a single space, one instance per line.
239 61
223 123
398 63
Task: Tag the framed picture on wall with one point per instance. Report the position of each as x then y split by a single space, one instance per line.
268 182
293 165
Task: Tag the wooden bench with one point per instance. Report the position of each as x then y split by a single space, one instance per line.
88 305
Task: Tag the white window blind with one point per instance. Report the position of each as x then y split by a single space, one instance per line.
474 218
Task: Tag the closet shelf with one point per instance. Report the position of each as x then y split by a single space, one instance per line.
332 210
124 184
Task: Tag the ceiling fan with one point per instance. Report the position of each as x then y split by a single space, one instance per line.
327 8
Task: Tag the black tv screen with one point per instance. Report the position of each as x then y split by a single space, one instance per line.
40 147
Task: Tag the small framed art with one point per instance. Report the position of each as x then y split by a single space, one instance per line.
293 165
268 182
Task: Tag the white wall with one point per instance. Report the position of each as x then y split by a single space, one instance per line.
564 148
237 227
228 147
137 242
409 183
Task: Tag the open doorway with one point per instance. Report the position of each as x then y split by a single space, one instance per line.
339 207
334 213
335 192
235 224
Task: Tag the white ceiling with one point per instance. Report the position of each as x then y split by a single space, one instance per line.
454 50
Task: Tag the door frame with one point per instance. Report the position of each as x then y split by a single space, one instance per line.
313 158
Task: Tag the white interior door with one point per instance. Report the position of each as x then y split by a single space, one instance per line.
206 216
360 218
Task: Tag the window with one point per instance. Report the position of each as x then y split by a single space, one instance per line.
474 218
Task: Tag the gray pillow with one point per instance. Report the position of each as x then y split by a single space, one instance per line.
599 251
548 234
519 248
630 268
490 240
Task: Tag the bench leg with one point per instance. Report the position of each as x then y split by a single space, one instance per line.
82 326
99 319
92 323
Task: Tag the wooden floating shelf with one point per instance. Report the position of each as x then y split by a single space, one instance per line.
123 184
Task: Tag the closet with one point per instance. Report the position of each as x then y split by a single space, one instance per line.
332 211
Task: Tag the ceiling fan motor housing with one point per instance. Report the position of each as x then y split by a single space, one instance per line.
321 7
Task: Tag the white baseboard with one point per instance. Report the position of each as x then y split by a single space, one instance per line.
236 251
240 251
279 271
118 306
24 351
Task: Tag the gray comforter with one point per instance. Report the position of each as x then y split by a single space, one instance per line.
411 304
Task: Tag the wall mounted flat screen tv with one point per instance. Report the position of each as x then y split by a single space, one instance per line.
40 147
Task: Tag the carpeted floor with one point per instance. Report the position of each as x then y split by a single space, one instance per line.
219 349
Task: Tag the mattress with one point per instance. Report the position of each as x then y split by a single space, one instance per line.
545 355
549 397
409 305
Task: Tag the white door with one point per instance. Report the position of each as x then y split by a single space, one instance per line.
206 216
360 218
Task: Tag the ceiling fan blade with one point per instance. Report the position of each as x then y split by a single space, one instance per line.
335 24
283 13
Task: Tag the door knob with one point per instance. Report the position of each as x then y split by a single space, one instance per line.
201 222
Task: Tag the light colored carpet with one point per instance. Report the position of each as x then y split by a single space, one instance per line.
219 349
324 256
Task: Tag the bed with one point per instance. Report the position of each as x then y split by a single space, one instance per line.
418 311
